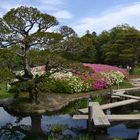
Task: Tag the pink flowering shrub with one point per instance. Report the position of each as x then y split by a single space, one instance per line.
95 80
98 68
99 81
104 76
99 84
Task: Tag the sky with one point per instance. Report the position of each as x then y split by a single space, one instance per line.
83 15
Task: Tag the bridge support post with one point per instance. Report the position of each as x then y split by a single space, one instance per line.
90 117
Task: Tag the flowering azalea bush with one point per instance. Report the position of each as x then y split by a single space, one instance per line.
62 82
61 75
71 84
113 77
106 79
99 84
98 81
104 76
99 77
98 68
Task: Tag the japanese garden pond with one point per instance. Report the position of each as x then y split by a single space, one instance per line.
61 126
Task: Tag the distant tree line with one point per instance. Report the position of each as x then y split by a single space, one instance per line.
26 42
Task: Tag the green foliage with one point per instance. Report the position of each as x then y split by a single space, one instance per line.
22 86
68 84
51 138
5 75
39 57
71 85
138 64
16 28
123 44
135 112
125 84
117 139
136 71
14 89
80 49
56 128
9 59
84 137
62 87
36 57
99 99
3 91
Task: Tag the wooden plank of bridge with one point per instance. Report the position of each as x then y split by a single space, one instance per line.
127 96
80 117
112 117
120 92
99 118
123 117
139 136
120 103
83 110
127 89
112 105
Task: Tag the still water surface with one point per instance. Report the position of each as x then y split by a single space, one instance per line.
38 127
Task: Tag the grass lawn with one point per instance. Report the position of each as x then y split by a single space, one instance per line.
3 92
136 71
125 85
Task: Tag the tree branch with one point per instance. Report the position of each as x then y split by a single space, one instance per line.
31 26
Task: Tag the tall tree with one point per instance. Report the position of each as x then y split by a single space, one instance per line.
27 27
101 42
123 47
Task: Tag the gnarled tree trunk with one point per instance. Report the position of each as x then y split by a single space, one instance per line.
26 67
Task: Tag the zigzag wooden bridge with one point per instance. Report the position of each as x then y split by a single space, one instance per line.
96 116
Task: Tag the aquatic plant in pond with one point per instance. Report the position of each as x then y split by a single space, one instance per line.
84 137
57 128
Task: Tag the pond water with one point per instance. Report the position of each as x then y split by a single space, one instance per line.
63 127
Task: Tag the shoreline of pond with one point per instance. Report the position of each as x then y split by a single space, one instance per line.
51 102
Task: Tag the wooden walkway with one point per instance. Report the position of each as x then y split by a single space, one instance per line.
139 136
99 118
112 105
112 118
119 93
127 96
127 89
123 117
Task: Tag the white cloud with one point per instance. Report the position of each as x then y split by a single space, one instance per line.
63 14
110 18
52 7
51 2
5 6
49 5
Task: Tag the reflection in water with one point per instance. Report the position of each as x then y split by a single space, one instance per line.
36 123
19 131
121 131
38 127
